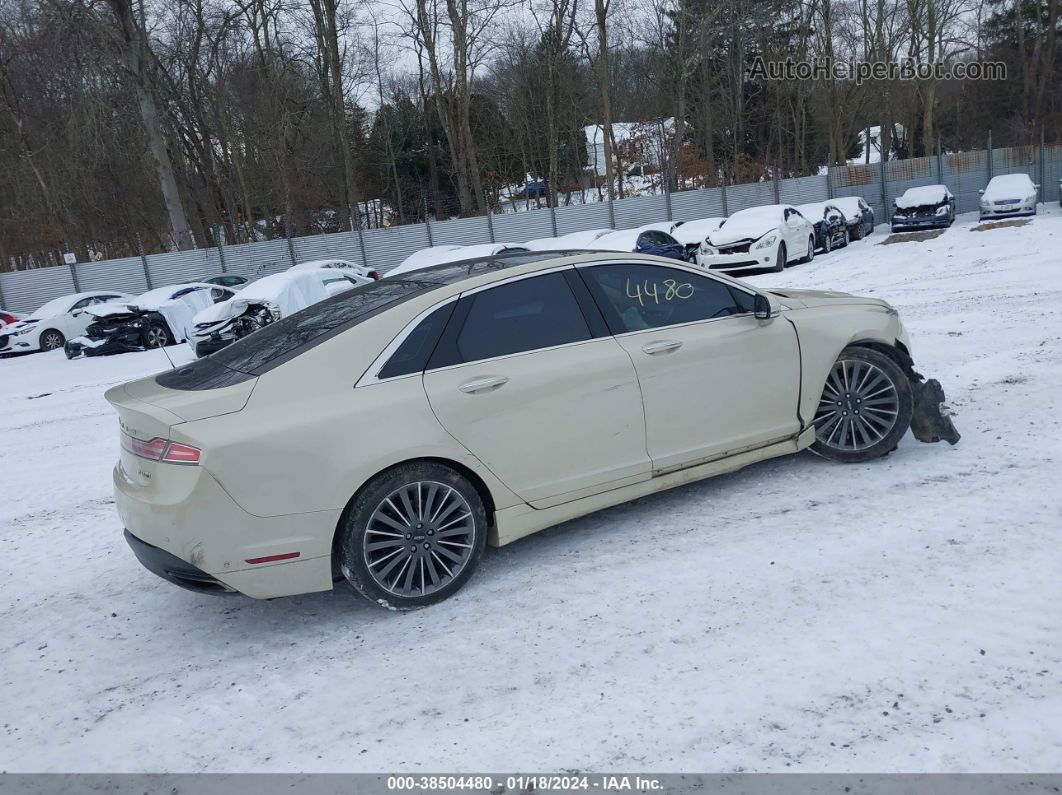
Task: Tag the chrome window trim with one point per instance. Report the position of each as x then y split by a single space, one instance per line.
370 376
514 355
684 266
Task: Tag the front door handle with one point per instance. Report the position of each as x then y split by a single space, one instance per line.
664 346
488 384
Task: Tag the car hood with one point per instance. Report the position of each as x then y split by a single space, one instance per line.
734 233
816 298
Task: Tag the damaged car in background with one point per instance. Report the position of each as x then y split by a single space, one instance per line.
925 207
264 302
157 318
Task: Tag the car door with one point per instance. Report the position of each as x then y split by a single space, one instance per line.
74 321
532 384
715 379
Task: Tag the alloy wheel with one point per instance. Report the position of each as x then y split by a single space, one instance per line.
858 408
419 538
156 337
51 341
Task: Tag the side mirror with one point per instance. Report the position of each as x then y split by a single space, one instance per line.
982 191
761 307
77 313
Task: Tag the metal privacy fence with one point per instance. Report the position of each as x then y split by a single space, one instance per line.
383 248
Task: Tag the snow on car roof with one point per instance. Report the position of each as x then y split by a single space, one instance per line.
59 305
318 264
1009 186
620 240
813 211
749 223
582 239
424 258
451 254
848 204
696 231
153 299
922 196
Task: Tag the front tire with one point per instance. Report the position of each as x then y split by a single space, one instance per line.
827 245
779 259
847 239
865 408
413 536
157 336
51 340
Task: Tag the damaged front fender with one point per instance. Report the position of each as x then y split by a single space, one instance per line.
930 421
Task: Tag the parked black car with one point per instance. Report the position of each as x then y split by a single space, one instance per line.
924 207
831 228
155 319
857 214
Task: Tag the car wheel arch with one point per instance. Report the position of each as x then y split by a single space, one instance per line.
896 351
473 477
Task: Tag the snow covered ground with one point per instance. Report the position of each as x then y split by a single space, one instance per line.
798 615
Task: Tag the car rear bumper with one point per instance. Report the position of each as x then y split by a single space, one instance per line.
206 542
173 569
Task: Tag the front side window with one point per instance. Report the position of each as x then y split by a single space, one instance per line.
636 297
82 304
524 315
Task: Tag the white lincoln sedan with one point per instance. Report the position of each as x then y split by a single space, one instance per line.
385 435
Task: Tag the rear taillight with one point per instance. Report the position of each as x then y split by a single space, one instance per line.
374 274
161 450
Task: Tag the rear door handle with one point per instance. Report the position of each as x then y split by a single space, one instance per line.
488 384
664 346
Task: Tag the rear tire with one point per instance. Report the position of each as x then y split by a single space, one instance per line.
827 245
444 523
51 340
865 407
847 238
859 232
811 250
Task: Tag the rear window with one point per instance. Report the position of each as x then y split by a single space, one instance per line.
278 342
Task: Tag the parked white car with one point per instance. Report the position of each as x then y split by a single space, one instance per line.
386 435
456 254
340 264
772 236
55 322
1007 195
267 300
568 242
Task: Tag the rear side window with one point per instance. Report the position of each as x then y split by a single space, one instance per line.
636 297
413 354
524 315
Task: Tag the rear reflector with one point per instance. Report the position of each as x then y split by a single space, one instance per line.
161 450
272 558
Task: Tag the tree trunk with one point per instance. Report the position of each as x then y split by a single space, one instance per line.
137 61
